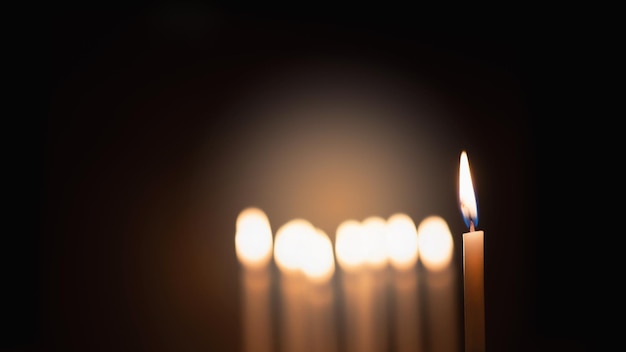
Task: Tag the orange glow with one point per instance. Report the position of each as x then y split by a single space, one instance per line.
290 245
319 262
435 243
467 198
253 238
402 241
350 250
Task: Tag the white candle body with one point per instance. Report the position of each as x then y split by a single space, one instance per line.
408 337
358 291
256 310
442 310
293 322
474 291
322 328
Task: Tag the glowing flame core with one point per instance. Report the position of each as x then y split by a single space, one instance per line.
467 198
435 243
253 238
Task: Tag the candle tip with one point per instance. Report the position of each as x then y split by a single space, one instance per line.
467 197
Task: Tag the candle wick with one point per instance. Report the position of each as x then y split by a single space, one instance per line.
471 226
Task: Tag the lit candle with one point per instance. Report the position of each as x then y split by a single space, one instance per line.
402 246
253 246
319 267
375 236
473 263
361 254
402 241
436 253
289 255
351 251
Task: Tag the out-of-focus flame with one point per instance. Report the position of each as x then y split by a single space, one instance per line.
253 238
375 240
402 245
350 250
435 243
290 245
467 198
319 261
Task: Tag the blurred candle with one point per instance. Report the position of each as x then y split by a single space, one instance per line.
402 241
402 244
436 248
351 251
319 267
473 262
289 254
374 230
375 236
253 246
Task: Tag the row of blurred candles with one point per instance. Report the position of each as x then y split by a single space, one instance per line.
383 307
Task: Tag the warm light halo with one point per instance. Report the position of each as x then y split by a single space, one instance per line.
253 238
402 244
290 244
319 261
375 236
467 198
349 249
435 243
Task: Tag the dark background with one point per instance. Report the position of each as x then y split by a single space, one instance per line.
114 251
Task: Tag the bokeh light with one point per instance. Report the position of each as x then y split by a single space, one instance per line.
435 243
402 243
253 238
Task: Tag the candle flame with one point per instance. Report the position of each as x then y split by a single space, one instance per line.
402 241
351 252
253 238
467 199
302 248
319 262
290 245
362 244
435 243
375 236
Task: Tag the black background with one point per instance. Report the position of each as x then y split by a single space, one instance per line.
125 97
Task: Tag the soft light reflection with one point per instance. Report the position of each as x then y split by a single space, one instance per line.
375 237
253 238
467 198
435 243
402 244
350 250
319 261
290 245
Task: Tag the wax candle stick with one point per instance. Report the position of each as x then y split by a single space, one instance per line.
364 319
436 253
323 333
351 252
289 255
408 325
319 267
293 317
403 255
351 301
253 244
473 263
374 234
256 311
